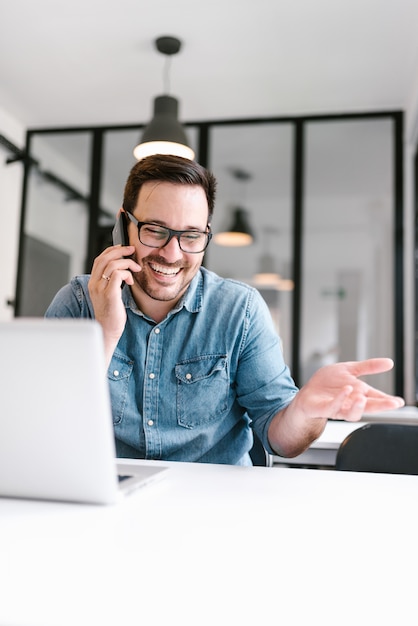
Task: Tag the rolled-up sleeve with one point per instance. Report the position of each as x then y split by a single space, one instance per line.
264 383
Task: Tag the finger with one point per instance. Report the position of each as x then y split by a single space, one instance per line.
353 412
347 406
387 403
123 250
110 256
338 403
121 267
372 392
362 404
370 366
125 277
353 407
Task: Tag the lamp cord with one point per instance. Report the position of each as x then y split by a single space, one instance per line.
166 74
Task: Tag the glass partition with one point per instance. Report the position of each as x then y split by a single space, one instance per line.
253 166
54 238
348 252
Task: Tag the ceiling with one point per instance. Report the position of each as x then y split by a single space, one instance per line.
91 62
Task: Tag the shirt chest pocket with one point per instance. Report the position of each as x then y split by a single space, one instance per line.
202 390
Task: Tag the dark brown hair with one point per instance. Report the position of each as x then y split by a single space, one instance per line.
171 169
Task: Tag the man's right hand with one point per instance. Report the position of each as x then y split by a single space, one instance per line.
110 270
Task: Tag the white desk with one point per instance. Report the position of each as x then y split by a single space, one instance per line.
323 451
214 545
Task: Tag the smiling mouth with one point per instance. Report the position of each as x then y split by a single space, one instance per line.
163 270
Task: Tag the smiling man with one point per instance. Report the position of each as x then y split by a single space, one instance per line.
194 361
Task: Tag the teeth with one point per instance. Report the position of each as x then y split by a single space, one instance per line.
169 271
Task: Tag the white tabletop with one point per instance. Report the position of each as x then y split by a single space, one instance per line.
404 415
217 545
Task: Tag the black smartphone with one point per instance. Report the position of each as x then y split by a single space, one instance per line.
120 230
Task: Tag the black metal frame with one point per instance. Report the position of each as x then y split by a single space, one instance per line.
203 156
415 196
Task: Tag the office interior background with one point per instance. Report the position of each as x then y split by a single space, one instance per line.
307 112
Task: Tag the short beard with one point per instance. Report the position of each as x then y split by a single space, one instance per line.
144 284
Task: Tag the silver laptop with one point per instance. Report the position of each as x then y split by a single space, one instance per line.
56 431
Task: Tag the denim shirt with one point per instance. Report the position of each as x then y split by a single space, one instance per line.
188 388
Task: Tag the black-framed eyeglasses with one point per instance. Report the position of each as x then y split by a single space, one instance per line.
156 236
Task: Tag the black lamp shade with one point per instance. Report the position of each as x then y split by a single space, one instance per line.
240 232
164 134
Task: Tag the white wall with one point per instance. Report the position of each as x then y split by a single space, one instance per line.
11 177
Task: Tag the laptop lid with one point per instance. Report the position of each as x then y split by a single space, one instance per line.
56 431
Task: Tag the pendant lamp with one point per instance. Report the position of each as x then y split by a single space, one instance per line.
164 134
240 232
267 275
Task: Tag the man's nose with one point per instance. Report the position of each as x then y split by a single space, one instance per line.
171 248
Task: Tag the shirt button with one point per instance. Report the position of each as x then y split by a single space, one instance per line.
150 422
188 376
115 373
152 375
157 331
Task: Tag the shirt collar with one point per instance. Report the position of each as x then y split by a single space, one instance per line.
192 299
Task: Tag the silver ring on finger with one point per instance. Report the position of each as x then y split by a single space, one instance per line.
106 277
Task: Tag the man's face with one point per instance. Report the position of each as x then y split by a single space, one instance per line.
167 272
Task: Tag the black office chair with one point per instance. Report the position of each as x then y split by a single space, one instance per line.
259 455
380 447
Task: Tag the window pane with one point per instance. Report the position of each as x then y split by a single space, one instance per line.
54 241
348 255
263 153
